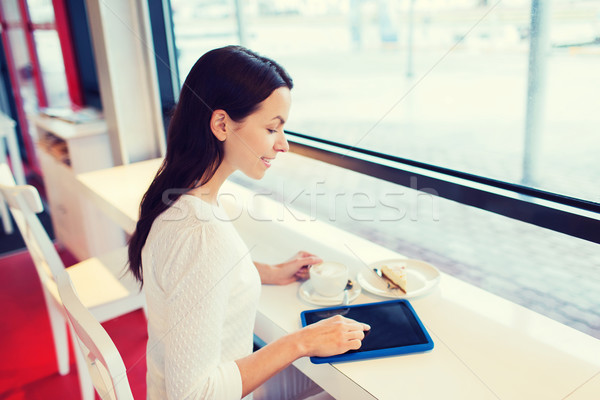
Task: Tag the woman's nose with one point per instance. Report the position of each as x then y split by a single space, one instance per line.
282 144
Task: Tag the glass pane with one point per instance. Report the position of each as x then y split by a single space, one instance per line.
202 25
446 83
10 9
18 48
41 11
53 69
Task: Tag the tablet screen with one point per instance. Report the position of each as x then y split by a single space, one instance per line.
393 324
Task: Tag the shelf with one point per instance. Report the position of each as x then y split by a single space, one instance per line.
67 130
66 149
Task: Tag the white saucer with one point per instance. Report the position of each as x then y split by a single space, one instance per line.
421 277
307 293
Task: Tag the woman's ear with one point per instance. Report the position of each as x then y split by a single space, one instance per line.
218 124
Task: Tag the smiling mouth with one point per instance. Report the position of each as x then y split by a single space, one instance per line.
267 161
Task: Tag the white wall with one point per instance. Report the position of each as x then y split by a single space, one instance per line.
124 52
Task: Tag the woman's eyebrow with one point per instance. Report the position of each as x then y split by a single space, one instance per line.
281 119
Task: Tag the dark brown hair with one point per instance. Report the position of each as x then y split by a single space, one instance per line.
231 78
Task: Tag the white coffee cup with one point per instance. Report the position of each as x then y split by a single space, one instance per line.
329 278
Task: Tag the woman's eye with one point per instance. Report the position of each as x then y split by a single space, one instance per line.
272 130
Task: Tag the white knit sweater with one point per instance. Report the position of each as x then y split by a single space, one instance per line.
202 291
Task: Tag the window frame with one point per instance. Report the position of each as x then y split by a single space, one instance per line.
20 117
63 29
167 69
567 215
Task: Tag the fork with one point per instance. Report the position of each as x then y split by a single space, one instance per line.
390 285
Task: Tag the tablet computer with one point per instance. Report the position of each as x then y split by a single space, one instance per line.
395 329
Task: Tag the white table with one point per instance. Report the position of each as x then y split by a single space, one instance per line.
485 347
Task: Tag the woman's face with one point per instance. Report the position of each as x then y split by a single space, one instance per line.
253 144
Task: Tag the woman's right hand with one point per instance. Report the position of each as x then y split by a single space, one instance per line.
332 336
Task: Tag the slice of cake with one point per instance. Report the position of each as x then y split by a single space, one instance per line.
396 274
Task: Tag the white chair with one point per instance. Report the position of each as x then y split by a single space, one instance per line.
105 288
6 222
7 131
98 352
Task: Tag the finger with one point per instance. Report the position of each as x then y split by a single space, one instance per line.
302 274
310 260
303 253
355 344
350 320
303 262
360 335
306 254
365 327
357 326
336 318
304 268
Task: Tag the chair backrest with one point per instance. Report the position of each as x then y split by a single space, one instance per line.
101 356
24 203
6 175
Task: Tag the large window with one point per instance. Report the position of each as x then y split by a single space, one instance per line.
450 83
35 49
505 91
35 63
47 46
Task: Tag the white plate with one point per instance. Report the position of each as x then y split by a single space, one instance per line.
307 293
421 277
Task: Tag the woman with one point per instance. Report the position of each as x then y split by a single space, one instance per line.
201 286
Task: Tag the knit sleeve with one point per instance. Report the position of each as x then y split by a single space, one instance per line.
197 281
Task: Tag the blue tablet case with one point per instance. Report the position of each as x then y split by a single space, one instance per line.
395 329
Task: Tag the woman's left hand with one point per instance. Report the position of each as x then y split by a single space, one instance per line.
288 271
